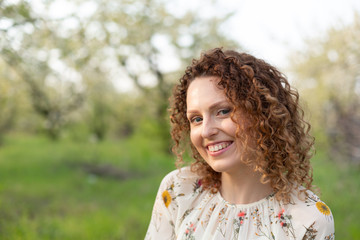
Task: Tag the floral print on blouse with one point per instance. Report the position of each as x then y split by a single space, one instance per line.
183 210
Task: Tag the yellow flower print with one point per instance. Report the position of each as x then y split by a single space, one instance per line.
312 199
166 198
323 208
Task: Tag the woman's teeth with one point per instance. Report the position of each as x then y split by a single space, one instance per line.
218 147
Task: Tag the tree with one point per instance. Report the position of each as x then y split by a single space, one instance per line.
8 102
111 43
132 29
328 73
30 48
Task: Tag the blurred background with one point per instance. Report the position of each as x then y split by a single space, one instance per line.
84 88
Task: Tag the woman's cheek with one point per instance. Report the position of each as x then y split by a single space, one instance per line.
196 140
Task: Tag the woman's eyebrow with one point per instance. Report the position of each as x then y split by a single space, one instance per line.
211 107
218 104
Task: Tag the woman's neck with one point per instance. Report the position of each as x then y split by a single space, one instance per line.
243 186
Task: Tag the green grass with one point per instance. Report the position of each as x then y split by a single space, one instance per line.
47 193
48 190
340 189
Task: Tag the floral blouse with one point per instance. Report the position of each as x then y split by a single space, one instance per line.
184 210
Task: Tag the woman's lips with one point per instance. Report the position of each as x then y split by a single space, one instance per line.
218 148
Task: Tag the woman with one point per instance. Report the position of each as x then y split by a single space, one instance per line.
250 177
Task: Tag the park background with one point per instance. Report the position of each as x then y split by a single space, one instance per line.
84 128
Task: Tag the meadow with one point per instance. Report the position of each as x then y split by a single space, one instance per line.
105 190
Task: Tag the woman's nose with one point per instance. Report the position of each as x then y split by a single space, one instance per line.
209 128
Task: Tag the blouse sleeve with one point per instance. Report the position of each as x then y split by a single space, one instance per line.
322 226
164 212
325 229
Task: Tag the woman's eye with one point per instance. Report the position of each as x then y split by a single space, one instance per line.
224 111
196 119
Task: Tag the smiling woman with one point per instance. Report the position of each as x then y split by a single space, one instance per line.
212 130
251 175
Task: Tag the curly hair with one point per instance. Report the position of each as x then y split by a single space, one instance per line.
283 143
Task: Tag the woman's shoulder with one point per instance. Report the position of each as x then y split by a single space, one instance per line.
181 190
310 213
181 180
309 203
181 175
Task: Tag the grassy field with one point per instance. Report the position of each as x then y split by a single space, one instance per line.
81 190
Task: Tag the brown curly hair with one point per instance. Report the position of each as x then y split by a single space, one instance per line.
283 144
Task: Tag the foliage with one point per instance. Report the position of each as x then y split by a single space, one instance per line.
328 73
26 51
7 103
78 63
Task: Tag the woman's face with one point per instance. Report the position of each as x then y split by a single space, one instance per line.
212 131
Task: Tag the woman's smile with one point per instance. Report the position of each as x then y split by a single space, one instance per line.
216 149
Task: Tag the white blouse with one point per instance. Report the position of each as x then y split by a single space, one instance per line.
184 210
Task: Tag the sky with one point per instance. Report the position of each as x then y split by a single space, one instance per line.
271 29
